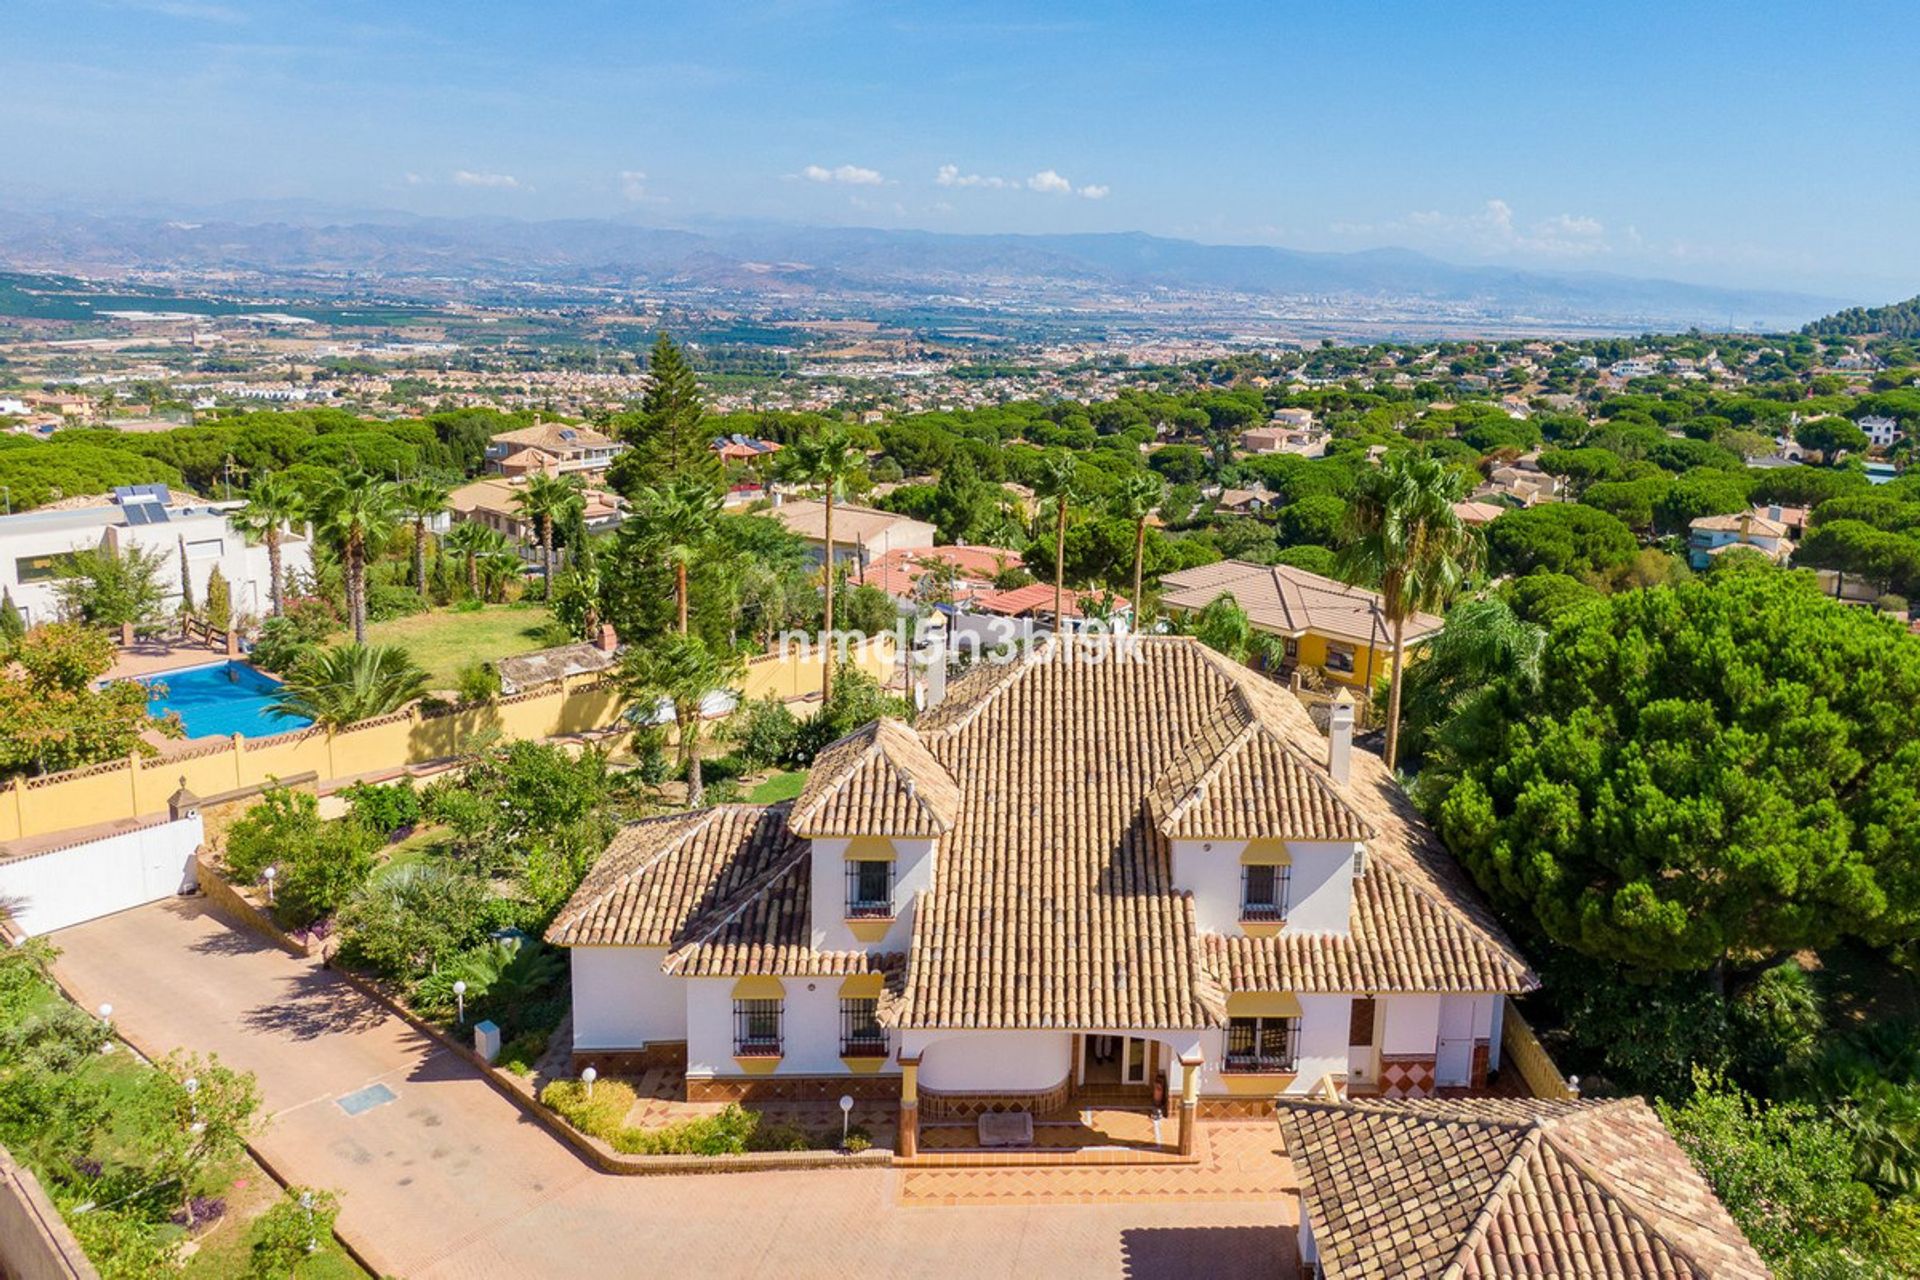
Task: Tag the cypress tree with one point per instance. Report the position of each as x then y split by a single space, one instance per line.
668 437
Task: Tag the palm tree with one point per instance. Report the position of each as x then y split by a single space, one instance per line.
1483 639
357 511
472 539
544 501
349 683
682 670
421 499
1404 537
499 565
1058 483
1139 493
273 504
830 459
680 515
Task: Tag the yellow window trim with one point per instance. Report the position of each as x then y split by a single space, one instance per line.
870 928
870 849
1263 1004
1268 851
759 986
758 1066
1262 928
863 986
864 1066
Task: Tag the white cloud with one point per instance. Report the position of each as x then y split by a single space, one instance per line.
950 176
1096 191
633 188
494 181
1050 183
851 175
415 180
1495 229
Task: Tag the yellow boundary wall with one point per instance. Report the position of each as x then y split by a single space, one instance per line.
122 789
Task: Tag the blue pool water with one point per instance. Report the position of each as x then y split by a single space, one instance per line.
227 697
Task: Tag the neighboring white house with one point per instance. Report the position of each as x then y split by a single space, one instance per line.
1710 536
1099 870
34 546
1881 430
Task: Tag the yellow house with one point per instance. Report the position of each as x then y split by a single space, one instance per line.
1328 625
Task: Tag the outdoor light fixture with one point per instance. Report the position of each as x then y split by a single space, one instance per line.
846 1114
460 1000
306 1203
106 1025
192 1085
271 874
587 1078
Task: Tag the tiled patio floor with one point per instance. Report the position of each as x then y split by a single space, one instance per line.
1238 1160
1091 1128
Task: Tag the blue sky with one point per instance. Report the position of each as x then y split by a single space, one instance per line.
1753 143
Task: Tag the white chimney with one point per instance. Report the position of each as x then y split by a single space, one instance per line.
1340 738
936 686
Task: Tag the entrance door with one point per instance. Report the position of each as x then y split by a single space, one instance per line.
1134 1062
1453 1063
1360 1039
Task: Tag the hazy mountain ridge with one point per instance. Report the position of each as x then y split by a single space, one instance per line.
796 259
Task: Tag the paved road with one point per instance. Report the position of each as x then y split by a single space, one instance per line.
449 1179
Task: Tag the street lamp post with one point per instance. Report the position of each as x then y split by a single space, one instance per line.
271 874
106 1026
192 1085
460 1001
306 1204
587 1078
846 1114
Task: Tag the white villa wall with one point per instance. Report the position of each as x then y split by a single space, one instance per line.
1319 884
1322 1047
1412 1024
621 999
810 1028
1010 1060
912 872
52 890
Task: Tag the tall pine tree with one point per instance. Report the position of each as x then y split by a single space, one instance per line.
668 436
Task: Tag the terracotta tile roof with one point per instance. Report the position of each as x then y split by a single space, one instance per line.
877 781
1290 601
555 437
1037 597
1508 1187
660 874
851 525
1743 522
1258 784
1052 903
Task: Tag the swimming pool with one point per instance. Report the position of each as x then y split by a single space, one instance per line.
221 699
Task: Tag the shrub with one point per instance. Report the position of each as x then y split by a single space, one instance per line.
389 600
514 982
764 732
383 810
413 920
285 1234
477 684
521 1053
728 1133
283 641
857 1141
603 1115
319 863
778 1137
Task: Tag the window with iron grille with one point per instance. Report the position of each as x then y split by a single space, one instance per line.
861 1035
1262 1044
869 888
1263 893
756 1028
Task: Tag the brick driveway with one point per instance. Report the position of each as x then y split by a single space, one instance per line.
448 1179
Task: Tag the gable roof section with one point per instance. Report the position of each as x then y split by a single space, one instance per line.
1507 1187
876 781
1261 784
1289 601
659 874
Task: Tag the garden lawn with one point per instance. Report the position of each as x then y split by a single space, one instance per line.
446 641
778 787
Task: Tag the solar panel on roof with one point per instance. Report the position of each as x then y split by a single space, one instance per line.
145 512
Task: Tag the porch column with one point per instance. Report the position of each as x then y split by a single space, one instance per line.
909 1140
1189 1099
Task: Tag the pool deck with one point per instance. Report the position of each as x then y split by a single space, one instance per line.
152 657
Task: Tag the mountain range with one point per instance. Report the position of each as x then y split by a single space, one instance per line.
802 263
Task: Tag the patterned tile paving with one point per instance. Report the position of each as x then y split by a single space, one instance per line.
1238 1161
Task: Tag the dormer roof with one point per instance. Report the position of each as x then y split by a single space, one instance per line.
877 781
1260 784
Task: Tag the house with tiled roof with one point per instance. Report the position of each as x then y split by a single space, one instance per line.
1756 530
1128 865
552 448
1334 627
1520 1188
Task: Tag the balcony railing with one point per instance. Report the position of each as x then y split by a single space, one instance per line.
1258 1063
